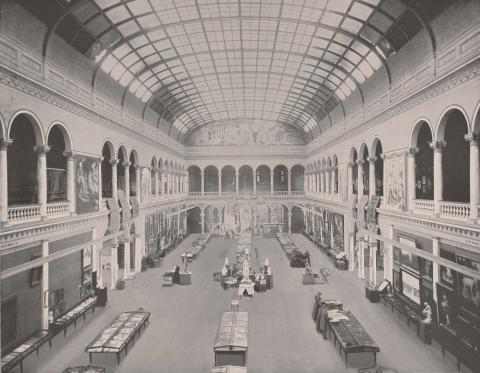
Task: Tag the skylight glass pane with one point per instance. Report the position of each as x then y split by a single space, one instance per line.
117 72
109 63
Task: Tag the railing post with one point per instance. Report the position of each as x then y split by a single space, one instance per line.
4 144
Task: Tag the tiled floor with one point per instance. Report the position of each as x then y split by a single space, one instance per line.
282 337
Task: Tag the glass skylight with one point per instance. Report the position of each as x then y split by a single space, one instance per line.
198 61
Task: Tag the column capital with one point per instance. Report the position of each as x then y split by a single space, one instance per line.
360 162
68 155
100 159
154 169
372 159
126 164
113 162
289 214
438 146
5 143
472 138
351 164
41 149
202 173
412 151
136 166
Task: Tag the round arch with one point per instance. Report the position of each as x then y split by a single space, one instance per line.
67 138
475 120
3 131
444 118
416 129
34 121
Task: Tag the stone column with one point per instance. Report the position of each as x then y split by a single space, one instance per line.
137 181
45 285
317 182
70 181
373 261
361 258
114 264
100 192
351 252
126 187
219 183
473 139
237 186
350 181
42 151
271 182
360 163
329 180
138 252
371 177
435 266
4 143
289 182
155 181
437 174
126 259
114 162
254 183
202 216
289 222
411 178
202 176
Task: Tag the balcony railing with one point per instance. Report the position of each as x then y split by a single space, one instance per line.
456 210
246 195
424 206
22 214
58 209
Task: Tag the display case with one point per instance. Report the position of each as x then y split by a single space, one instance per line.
117 336
231 341
228 369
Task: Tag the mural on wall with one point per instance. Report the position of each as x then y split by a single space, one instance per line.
395 183
146 184
86 184
246 132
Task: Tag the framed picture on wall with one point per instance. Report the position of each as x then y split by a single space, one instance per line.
448 277
447 305
35 275
397 282
407 258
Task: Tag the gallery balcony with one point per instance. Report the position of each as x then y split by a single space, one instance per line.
246 196
450 210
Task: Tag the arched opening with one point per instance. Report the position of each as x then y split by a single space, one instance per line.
328 173
298 222
354 160
166 175
132 247
159 176
22 163
121 159
194 180
366 171
456 158
297 175
245 179
323 172
107 171
378 168
424 163
228 179
56 166
280 178
132 174
153 166
335 174
262 178
211 179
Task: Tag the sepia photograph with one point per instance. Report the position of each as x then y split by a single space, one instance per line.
240 186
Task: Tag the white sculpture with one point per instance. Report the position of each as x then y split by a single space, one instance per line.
246 270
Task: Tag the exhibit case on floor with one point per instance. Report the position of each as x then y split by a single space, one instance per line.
228 369
231 341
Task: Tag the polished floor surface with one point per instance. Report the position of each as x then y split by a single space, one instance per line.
282 337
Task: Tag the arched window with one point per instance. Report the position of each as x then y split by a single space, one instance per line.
424 163
56 166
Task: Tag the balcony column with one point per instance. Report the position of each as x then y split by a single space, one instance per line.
411 178
271 182
126 256
162 183
350 181
289 182
360 163
202 216
361 258
155 181
437 174
289 223
371 176
4 143
126 187
237 187
373 261
137 182
219 183
114 162
42 151
70 181
202 176
473 139
114 264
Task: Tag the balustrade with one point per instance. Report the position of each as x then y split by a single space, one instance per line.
455 209
58 209
20 214
424 206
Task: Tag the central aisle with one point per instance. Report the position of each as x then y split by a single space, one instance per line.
282 337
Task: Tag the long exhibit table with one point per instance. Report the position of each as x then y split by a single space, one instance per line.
73 315
231 341
117 336
33 343
352 338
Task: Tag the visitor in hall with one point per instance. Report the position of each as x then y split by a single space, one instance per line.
176 275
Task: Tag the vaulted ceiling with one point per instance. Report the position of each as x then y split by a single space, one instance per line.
200 61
